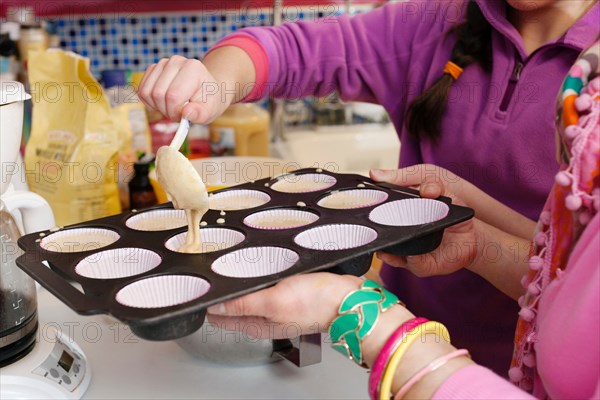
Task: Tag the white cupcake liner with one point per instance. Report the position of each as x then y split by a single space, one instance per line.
213 239
78 239
241 199
303 183
117 263
252 262
336 237
409 212
162 291
157 220
282 218
354 198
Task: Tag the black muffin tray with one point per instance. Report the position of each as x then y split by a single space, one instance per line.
56 271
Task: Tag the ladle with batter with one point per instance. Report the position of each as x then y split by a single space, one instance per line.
183 186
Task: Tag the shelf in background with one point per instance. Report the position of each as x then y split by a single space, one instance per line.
128 7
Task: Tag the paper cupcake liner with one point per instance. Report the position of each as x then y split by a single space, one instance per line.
409 212
117 263
354 198
282 218
303 183
78 239
162 291
242 199
157 220
213 239
336 237
252 262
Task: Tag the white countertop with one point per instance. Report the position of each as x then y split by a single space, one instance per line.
126 367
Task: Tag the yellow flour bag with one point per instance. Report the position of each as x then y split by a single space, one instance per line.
71 156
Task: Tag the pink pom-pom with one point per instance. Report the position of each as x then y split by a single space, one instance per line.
536 263
585 217
573 202
526 385
545 217
596 199
594 86
563 179
533 289
527 314
524 281
572 131
515 374
540 238
529 360
583 102
521 301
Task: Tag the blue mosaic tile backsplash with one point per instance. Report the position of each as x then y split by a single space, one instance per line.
137 41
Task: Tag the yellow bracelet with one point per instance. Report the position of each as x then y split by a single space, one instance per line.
385 393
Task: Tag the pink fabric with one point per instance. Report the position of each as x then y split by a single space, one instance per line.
568 350
259 58
477 382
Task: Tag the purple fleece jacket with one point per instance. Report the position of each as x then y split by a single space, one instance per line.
497 131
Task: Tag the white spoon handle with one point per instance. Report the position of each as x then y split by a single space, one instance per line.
181 134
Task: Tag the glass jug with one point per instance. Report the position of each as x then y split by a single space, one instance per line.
18 302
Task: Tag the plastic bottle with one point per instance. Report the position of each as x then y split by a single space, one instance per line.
242 130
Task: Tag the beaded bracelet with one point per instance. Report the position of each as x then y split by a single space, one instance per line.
432 366
359 313
386 352
411 337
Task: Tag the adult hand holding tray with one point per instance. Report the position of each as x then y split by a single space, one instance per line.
253 235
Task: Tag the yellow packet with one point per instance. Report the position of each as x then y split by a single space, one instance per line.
71 156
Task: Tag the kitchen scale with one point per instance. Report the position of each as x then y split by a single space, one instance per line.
56 368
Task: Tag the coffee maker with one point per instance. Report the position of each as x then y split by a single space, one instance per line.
30 366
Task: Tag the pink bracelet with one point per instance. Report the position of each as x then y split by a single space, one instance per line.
435 364
386 352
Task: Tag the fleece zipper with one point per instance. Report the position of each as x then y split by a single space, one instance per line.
515 76
512 84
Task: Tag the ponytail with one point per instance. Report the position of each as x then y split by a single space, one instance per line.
473 45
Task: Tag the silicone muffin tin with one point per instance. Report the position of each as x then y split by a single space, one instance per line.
128 267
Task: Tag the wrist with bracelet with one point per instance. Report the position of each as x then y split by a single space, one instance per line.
359 313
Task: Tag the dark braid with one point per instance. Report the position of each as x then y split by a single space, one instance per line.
473 45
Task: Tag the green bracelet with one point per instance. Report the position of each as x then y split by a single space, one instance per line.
359 313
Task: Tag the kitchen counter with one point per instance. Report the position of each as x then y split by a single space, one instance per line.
126 367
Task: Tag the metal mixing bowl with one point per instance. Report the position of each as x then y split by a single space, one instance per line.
228 347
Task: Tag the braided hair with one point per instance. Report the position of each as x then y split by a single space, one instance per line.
473 45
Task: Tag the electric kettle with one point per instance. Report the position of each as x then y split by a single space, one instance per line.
18 302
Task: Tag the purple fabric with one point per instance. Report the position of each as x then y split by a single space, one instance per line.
389 56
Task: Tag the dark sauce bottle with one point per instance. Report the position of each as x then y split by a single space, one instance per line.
141 193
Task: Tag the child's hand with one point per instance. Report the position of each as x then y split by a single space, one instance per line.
179 87
459 247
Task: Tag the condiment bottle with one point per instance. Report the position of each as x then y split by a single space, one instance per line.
141 193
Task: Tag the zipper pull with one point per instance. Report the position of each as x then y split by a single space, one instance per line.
512 84
516 74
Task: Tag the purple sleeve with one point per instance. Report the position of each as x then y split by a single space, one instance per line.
362 57
477 382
